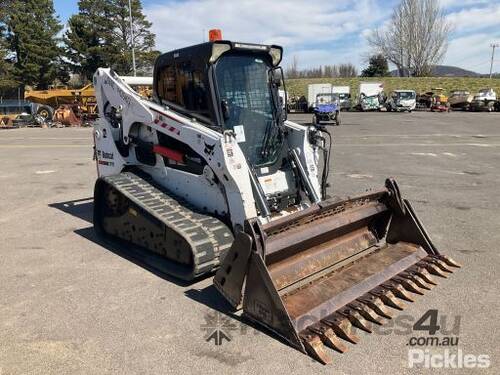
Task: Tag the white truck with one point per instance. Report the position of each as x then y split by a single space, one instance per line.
344 95
484 100
313 90
369 95
401 100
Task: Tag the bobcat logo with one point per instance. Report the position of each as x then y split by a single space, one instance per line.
209 149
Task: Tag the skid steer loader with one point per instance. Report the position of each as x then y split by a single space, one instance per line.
209 176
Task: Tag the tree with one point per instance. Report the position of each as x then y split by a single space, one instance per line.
293 70
327 71
6 80
377 67
347 70
416 37
5 68
30 31
99 36
85 38
121 37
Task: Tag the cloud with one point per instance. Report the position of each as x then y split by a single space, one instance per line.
476 56
354 52
318 32
463 3
295 24
475 18
475 29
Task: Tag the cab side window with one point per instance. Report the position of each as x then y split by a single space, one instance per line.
184 85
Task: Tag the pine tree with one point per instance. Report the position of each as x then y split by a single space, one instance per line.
4 63
99 36
6 79
377 67
31 37
144 39
85 39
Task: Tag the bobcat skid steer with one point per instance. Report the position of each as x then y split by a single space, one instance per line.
209 176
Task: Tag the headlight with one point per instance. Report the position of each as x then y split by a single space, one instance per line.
218 49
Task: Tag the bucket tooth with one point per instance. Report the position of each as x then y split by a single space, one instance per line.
342 327
434 270
398 290
423 273
376 305
439 263
449 261
417 280
388 298
356 319
315 348
366 312
328 337
409 285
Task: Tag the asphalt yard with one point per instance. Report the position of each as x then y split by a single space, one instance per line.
69 304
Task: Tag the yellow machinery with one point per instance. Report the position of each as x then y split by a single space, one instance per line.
435 100
439 95
73 107
439 101
56 103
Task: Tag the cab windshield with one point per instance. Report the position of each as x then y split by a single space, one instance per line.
406 95
251 106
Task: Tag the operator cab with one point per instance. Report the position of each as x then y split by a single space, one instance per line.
231 86
227 86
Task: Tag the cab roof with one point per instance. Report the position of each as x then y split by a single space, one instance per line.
209 52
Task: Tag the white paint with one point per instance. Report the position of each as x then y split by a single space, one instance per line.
359 176
45 146
44 172
481 145
423 154
417 144
450 154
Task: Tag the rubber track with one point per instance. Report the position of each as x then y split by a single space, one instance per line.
208 237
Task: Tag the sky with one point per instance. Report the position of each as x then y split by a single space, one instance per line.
316 32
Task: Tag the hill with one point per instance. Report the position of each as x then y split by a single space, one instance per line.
446 71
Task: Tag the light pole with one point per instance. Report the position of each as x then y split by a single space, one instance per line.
493 46
132 36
